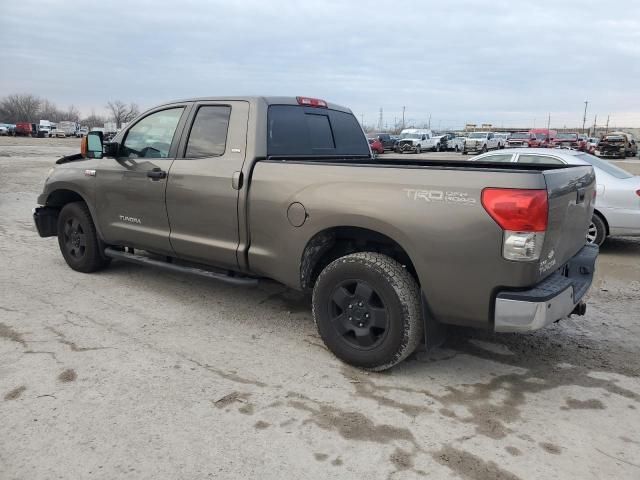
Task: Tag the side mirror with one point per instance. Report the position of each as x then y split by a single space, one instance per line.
91 145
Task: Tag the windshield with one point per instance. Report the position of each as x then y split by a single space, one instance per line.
519 135
411 135
604 166
613 139
478 135
567 136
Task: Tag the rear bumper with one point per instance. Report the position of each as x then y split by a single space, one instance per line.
554 298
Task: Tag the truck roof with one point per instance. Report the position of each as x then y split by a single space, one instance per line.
265 100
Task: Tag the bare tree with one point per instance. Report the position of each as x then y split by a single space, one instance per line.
72 114
121 113
49 111
19 108
93 120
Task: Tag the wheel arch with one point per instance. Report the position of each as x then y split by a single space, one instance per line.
333 242
603 218
63 195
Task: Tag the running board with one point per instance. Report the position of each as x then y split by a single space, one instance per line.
144 260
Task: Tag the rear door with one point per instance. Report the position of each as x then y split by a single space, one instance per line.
204 183
130 193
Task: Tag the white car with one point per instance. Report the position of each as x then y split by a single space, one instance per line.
480 142
617 208
415 140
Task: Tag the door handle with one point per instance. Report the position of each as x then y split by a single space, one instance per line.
156 174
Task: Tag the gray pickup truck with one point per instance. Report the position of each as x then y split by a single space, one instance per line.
242 188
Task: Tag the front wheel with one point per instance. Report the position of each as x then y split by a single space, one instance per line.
367 310
484 149
597 231
78 240
418 149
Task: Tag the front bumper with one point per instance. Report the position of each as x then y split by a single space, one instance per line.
46 220
554 298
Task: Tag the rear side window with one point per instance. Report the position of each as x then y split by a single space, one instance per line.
208 135
295 130
539 159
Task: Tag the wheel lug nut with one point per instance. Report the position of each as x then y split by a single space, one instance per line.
366 315
359 304
350 306
361 324
350 318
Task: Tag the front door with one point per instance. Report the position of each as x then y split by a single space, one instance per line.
130 197
204 183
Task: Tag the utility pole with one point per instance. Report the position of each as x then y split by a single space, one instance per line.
549 125
380 121
429 127
606 128
584 119
595 124
403 108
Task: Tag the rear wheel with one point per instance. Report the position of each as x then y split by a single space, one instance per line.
367 310
597 231
78 240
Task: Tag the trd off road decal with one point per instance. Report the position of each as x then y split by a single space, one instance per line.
446 196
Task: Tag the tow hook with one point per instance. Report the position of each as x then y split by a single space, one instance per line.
579 309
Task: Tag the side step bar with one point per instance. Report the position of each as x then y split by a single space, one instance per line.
144 260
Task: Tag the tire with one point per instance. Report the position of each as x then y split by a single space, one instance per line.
484 149
597 231
386 323
418 149
464 152
78 241
457 149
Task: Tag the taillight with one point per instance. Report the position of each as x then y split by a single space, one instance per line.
522 214
515 209
311 102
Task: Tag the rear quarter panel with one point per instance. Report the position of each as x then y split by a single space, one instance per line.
435 214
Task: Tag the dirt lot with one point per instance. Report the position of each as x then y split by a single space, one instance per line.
151 375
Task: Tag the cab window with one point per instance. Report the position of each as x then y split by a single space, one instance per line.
151 137
530 158
208 136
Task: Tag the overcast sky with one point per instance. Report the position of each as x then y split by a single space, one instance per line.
502 62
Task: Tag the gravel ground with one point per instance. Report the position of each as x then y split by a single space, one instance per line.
140 373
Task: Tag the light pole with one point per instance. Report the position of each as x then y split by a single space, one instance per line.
584 118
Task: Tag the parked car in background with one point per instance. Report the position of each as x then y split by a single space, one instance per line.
591 144
375 144
565 140
503 138
4 130
66 129
82 132
457 142
388 142
522 139
415 140
25 129
45 128
544 136
480 142
617 207
616 145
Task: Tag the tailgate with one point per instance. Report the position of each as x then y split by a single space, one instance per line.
571 193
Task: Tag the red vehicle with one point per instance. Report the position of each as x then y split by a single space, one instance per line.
565 140
544 136
522 139
24 129
376 145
